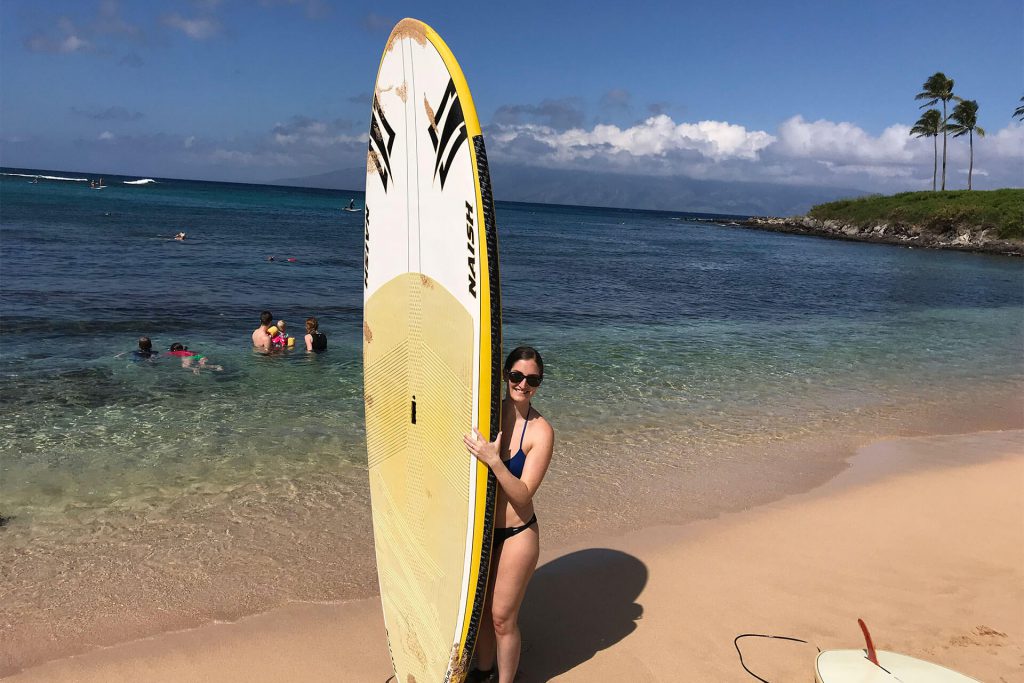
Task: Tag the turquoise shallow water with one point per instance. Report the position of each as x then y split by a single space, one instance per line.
142 496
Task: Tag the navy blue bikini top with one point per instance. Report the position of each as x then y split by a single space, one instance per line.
516 463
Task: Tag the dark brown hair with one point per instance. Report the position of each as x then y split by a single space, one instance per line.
524 353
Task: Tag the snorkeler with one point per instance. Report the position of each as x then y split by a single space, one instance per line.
188 357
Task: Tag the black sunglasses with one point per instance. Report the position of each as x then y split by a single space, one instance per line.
515 377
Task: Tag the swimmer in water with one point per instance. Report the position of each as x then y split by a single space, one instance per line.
144 352
180 236
189 357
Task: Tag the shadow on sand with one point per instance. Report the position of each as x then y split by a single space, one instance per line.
576 606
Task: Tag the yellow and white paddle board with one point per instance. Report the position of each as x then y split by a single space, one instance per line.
431 353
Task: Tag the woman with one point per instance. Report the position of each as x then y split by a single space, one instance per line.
516 534
315 339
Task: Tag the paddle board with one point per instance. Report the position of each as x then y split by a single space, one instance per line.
853 666
431 353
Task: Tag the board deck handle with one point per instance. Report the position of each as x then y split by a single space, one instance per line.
872 656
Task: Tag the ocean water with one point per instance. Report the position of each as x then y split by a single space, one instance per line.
682 356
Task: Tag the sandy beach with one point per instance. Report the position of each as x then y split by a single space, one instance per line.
921 537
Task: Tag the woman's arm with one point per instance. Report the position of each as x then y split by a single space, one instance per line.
309 342
518 491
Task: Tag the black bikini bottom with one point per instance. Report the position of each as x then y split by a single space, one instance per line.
502 534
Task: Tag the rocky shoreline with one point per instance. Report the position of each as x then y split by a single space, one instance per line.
960 238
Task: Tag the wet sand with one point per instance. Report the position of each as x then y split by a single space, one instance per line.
921 537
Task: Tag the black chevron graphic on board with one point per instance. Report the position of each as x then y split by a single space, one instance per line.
450 121
379 150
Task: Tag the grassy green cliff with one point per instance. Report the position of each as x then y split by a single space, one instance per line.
999 211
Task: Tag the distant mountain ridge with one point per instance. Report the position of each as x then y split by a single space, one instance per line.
592 188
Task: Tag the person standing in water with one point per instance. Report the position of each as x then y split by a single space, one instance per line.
516 544
260 336
315 339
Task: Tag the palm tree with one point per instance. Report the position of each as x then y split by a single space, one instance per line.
1018 113
965 122
929 125
936 88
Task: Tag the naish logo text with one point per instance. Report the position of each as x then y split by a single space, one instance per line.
451 123
471 246
378 158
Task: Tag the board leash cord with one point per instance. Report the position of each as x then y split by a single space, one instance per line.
736 644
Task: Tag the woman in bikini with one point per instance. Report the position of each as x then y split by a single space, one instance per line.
516 533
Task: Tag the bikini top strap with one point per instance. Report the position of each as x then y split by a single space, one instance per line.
523 436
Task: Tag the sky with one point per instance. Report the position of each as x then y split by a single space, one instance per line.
797 93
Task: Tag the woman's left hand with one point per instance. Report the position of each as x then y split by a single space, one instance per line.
487 452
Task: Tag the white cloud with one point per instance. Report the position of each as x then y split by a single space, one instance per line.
843 142
110 21
200 28
94 36
653 139
303 131
70 38
1007 143
74 44
818 152
106 135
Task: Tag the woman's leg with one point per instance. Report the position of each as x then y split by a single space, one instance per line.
485 645
518 559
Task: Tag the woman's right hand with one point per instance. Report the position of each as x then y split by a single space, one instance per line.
487 452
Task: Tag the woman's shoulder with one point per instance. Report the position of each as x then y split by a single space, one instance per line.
539 422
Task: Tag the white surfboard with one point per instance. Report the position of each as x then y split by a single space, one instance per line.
431 354
853 666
